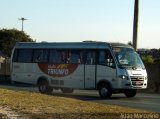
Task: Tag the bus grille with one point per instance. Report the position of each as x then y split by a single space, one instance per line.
137 81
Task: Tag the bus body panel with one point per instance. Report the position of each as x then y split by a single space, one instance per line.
106 73
74 80
26 73
90 76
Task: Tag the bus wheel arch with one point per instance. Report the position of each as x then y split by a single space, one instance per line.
43 85
104 89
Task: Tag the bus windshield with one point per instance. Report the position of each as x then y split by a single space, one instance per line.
127 58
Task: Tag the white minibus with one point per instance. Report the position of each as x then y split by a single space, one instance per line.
106 67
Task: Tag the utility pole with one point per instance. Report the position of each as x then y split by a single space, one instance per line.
135 25
22 19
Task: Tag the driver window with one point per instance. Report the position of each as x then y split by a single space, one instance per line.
105 58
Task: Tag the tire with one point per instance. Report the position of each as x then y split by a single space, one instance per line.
67 90
130 93
105 91
44 87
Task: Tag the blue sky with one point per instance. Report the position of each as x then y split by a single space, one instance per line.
79 20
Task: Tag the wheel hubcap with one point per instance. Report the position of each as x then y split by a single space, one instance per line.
43 88
104 91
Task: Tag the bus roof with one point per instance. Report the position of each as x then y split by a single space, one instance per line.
120 45
70 45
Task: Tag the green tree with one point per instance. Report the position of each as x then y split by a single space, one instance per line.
148 59
9 37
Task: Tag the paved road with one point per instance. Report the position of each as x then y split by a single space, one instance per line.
149 102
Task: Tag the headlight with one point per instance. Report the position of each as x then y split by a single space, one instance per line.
122 77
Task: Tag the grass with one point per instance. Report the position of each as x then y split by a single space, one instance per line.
41 106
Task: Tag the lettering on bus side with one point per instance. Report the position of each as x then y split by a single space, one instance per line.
57 70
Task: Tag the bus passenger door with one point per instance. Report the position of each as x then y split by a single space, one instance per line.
90 70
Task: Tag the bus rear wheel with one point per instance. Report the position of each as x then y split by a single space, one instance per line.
44 87
130 93
67 90
105 91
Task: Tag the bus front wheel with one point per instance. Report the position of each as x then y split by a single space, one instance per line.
130 93
105 91
44 87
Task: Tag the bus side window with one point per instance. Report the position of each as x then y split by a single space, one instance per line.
40 55
102 58
75 57
110 61
90 57
105 58
55 56
63 58
15 55
24 55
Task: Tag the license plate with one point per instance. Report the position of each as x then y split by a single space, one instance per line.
138 83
